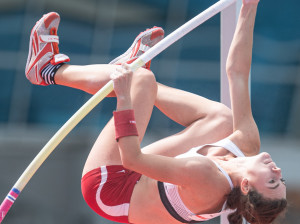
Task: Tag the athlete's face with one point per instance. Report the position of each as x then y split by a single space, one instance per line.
265 176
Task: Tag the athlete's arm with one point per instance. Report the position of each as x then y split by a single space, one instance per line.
245 134
167 169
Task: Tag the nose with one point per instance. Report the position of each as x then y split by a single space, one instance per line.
277 170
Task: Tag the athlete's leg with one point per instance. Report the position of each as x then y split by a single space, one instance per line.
208 129
105 150
206 121
89 78
185 108
201 116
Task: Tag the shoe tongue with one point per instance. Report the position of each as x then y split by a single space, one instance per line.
59 58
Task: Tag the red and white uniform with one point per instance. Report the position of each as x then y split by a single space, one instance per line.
108 190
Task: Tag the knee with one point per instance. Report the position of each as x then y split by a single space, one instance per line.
144 80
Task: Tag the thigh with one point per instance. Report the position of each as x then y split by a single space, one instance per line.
185 107
200 132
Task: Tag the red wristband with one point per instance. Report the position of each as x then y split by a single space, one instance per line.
125 124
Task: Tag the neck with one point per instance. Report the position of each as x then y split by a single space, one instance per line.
235 169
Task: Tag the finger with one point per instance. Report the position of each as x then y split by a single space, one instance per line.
115 75
126 67
119 69
112 76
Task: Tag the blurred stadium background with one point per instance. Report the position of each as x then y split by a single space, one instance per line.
96 31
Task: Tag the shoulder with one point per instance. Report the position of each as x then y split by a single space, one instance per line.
200 169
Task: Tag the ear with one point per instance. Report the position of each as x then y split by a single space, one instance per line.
245 187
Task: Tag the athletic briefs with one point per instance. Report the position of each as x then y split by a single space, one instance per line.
108 189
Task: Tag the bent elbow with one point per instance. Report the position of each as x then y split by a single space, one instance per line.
130 162
237 71
127 163
254 141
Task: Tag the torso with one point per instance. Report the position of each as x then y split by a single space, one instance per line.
209 196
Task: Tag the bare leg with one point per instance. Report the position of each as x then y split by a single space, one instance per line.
185 108
200 115
206 121
181 106
89 78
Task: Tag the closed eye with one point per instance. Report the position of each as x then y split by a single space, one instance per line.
273 182
277 185
283 181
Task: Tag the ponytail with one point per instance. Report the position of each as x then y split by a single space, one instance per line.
253 207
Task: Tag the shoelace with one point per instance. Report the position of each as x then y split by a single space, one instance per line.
53 31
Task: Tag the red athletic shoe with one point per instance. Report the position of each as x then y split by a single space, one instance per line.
143 42
43 48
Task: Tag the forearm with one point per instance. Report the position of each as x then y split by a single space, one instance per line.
240 53
130 151
129 146
239 63
126 135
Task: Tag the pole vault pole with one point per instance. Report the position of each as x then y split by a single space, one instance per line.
99 96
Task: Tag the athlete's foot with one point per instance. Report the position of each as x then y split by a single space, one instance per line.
143 42
43 49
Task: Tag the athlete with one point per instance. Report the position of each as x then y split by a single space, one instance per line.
212 165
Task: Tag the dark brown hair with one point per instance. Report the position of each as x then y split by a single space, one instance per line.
253 207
